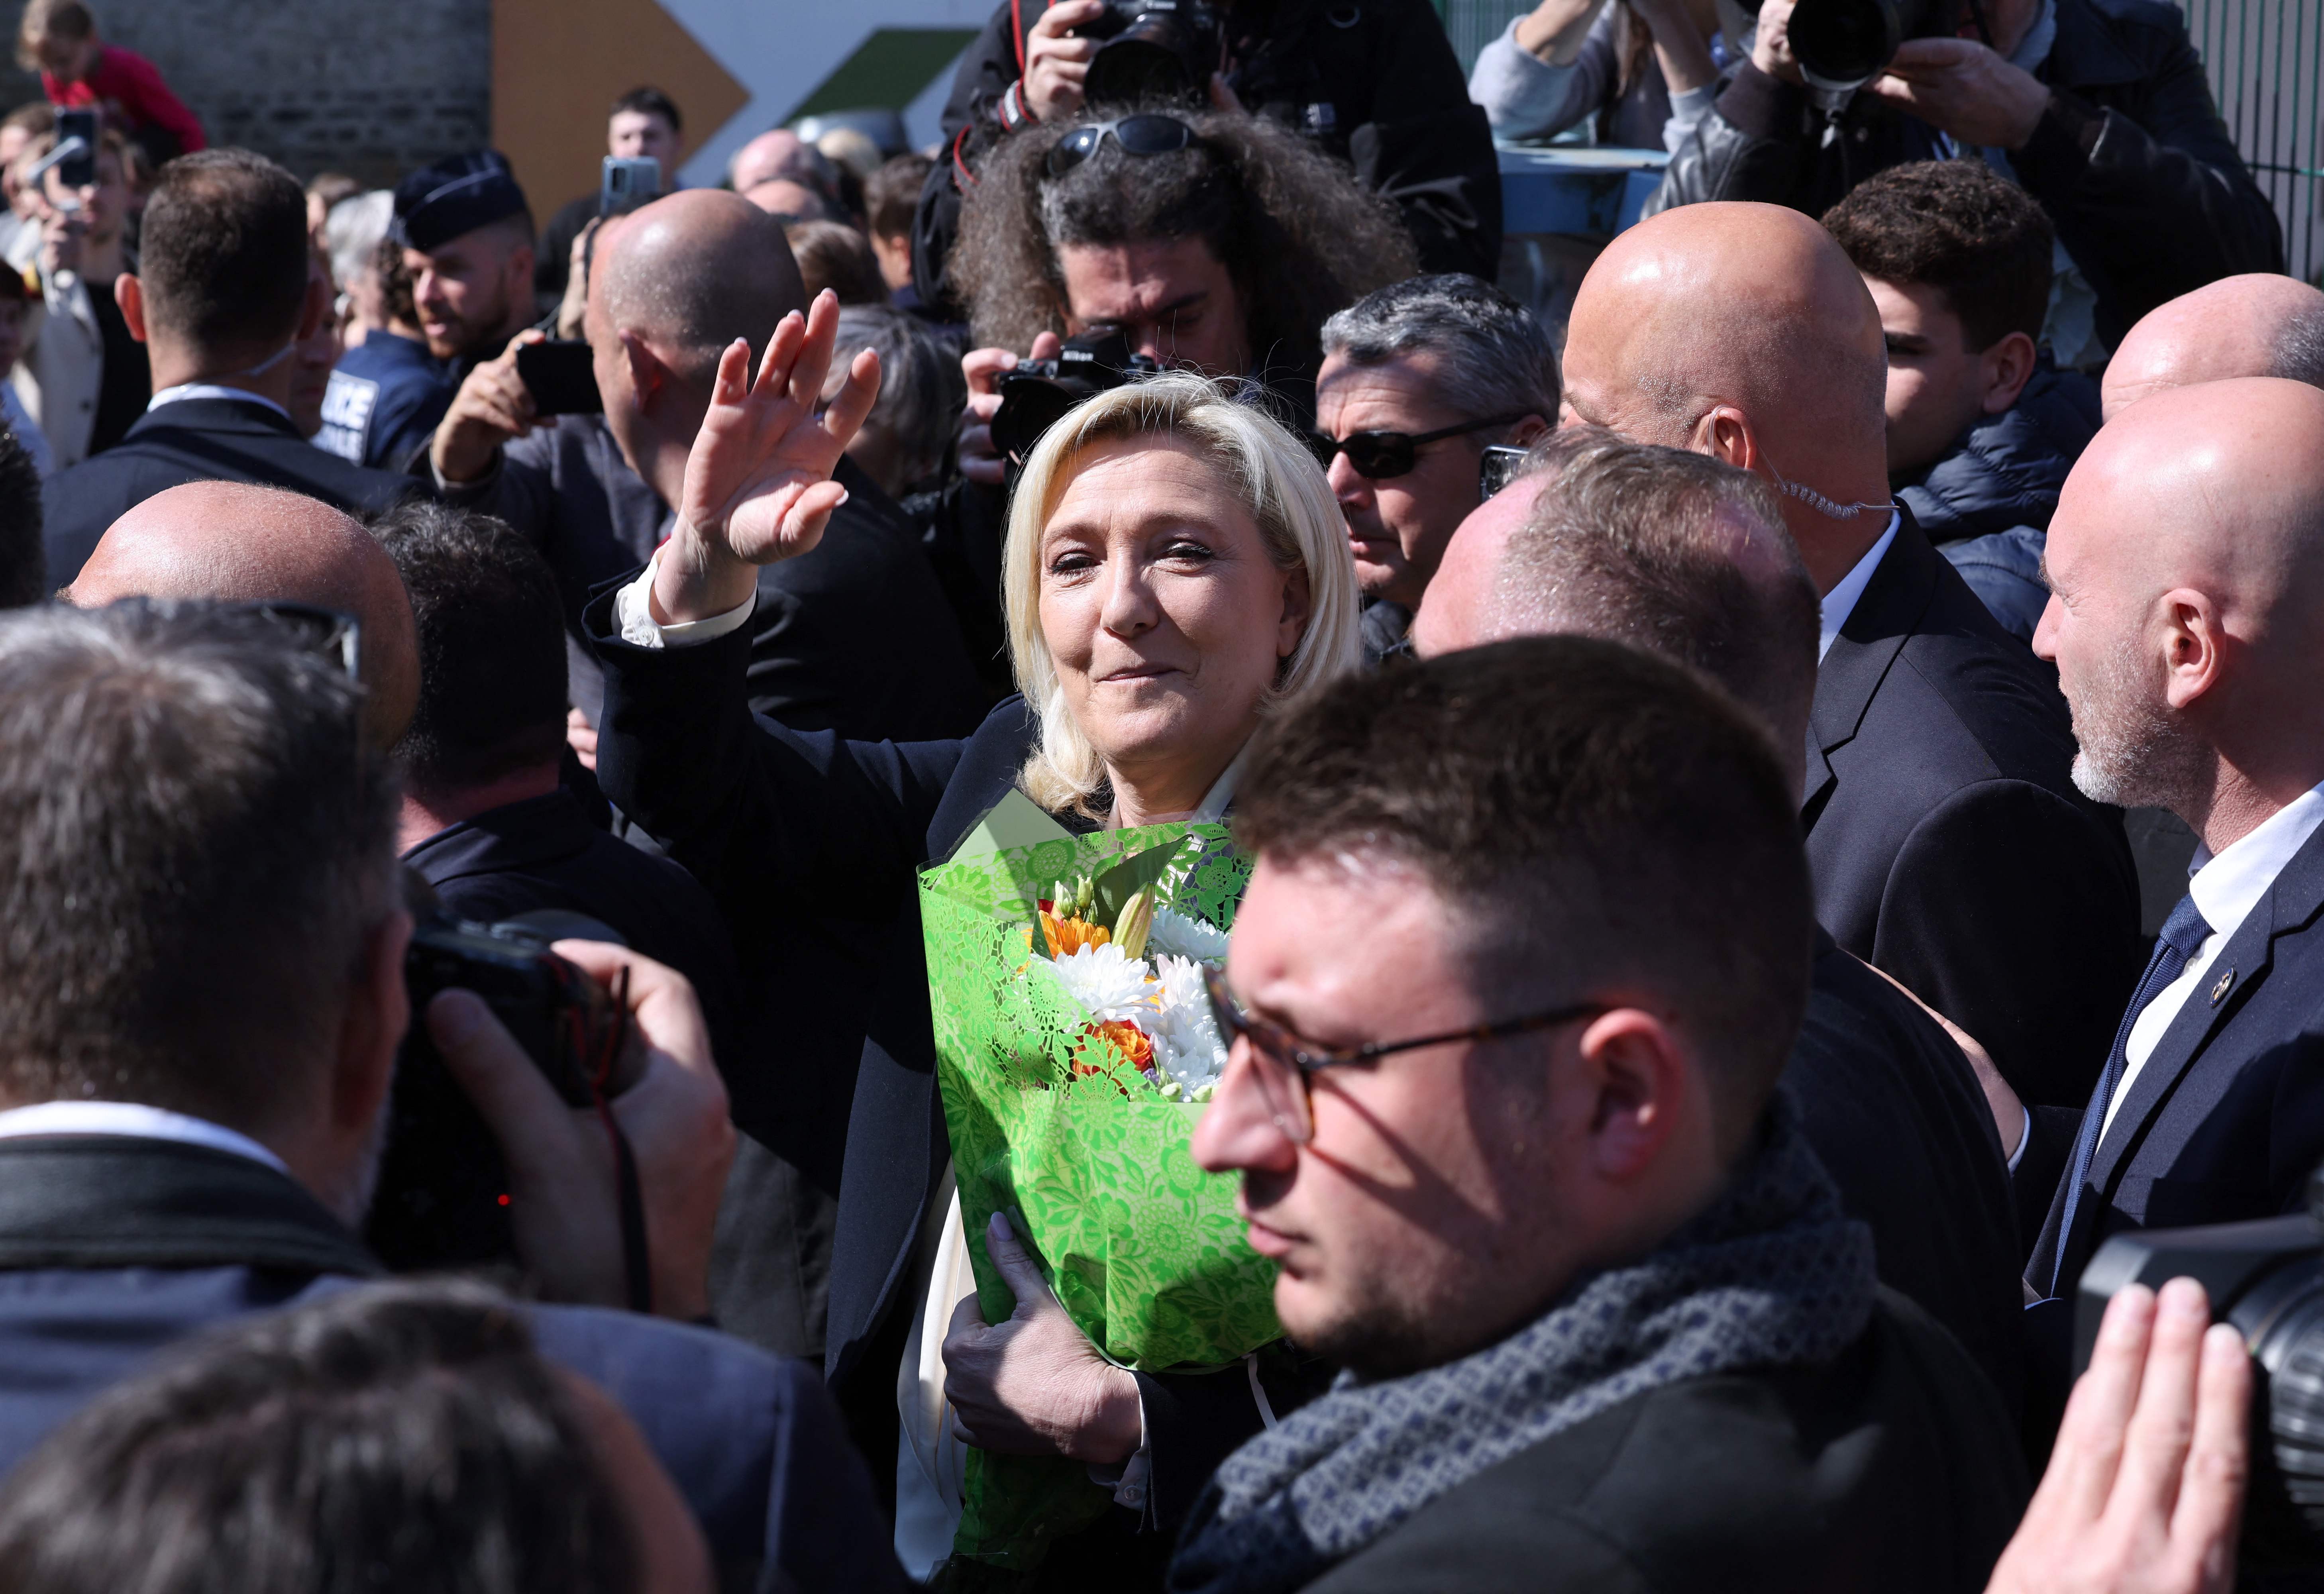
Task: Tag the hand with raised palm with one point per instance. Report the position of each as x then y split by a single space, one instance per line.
758 481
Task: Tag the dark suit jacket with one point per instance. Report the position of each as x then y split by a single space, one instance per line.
113 1248
1890 1468
1948 843
2225 1120
1896 1114
855 636
197 440
778 823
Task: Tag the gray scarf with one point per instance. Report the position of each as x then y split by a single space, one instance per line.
1771 1275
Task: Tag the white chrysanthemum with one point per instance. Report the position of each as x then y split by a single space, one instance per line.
1187 1046
1110 986
1178 934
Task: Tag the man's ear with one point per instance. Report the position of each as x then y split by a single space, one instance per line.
371 1028
2007 367
1725 433
518 274
2194 646
646 373
1639 1082
1532 429
129 294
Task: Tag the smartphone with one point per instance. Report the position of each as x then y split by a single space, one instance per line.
78 171
560 377
625 183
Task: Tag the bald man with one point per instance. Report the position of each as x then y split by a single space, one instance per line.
2186 564
782 155
1685 556
1949 846
238 543
2255 325
857 639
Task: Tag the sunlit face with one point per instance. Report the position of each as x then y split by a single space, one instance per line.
1397 525
1165 617
465 291
642 135
1173 300
104 202
1936 381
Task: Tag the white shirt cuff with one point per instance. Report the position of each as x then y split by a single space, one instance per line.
633 616
2024 1137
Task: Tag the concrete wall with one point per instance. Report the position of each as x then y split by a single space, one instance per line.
370 87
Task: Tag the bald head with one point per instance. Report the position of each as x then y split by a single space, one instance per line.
231 541
1742 330
1662 548
771 155
793 200
692 272
2187 560
2260 324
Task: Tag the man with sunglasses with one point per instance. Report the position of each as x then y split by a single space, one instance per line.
1515 1151
1418 379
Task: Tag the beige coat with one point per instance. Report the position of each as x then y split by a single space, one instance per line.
63 366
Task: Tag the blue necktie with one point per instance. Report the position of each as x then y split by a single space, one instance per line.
2182 933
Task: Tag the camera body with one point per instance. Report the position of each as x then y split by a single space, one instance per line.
1153 50
2266 1278
1037 393
442 1182
1843 44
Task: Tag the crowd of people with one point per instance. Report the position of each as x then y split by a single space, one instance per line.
1741 841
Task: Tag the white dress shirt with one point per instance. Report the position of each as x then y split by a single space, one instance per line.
134 1120
210 390
2225 888
633 616
1840 602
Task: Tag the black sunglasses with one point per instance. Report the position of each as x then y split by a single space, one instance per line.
1377 456
1147 133
325 632
1501 464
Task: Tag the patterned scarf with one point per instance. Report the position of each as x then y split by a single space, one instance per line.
1772 1274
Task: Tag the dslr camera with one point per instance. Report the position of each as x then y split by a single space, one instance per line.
1037 393
2267 1279
1153 50
442 1185
1843 44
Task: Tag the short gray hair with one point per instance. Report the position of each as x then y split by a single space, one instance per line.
1496 358
2300 349
352 233
200 842
921 389
1624 543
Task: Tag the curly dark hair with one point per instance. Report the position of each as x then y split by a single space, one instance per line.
1958 226
1298 234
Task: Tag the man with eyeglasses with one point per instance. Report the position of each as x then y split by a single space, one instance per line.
1515 1150
1418 379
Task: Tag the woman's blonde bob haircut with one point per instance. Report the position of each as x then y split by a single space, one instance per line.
1270 474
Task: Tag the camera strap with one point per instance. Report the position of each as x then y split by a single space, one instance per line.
638 1275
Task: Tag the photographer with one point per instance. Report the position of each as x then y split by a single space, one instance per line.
1373 83
2098 107
202 998
1219 243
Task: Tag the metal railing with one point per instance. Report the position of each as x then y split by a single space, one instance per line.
2265 61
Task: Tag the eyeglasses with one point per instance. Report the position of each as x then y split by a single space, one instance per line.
1282 1062
1500 465
1377 456
1147 133
326 632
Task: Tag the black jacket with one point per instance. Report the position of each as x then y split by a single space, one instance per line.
197 440
1948 843
1374 82
854 637
115 1248
780 825
2130 160
1895 1116
1891 1467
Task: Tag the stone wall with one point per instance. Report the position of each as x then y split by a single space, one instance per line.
370 87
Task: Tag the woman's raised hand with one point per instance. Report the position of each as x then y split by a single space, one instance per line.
758 481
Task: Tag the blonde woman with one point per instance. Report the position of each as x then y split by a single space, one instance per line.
1175 570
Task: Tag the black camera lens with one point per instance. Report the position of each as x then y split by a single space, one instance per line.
1167 50
1844 44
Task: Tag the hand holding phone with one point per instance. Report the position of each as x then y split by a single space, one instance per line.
561 375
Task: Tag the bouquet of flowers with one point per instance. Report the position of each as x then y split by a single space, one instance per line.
1075 1049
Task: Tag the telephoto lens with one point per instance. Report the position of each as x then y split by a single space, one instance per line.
1843 44
2266 1278
1157 49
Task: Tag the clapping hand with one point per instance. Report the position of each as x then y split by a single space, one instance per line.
758 483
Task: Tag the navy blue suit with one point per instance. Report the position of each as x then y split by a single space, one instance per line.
197 440
2225 1118
113 1248
1948 844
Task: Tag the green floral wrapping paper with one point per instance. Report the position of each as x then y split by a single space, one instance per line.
1053 1121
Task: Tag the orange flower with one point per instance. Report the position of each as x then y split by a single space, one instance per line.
1068 936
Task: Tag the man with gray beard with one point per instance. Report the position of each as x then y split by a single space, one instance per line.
202 941
2186 567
